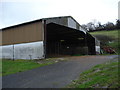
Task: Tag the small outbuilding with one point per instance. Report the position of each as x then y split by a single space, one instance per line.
47 37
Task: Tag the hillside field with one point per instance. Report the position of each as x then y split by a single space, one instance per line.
114 34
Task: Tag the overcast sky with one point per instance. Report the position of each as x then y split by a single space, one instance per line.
14 12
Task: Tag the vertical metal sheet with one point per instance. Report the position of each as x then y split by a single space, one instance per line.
71 23
29 50
7 51
60 21
97 49
25 33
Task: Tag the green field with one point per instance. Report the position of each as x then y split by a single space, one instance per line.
114 34
100 76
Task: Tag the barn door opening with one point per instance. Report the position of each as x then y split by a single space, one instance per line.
64 41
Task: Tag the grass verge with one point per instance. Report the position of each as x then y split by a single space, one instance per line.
100 76
10 67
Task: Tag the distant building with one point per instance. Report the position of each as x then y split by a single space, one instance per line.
47 37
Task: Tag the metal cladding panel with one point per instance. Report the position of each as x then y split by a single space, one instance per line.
0 52
60 21
34 50
71 23
23 34
97 45
65 21
7 52
97 49
97 42
29 50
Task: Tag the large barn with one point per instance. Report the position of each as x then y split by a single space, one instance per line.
47 37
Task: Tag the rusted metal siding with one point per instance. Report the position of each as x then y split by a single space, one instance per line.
31 32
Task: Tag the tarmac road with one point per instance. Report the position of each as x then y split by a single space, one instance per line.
57 75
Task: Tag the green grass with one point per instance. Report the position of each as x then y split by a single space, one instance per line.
0 67
100 76
10 67
113 33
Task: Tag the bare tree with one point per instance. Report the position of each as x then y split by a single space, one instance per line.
99 26
109 26
91 26
85 27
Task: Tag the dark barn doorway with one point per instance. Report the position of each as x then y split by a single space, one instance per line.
62 40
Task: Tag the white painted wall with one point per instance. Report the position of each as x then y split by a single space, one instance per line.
97 48
34 50
71 23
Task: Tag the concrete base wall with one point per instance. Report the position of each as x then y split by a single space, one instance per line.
97 49
7 51
34 50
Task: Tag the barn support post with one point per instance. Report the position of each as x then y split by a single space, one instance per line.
86 43
44 33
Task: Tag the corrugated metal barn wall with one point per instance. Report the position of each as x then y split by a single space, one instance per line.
23 41
23 34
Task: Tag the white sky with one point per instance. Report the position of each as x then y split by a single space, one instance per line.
14 12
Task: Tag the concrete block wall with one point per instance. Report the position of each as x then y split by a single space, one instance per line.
34 50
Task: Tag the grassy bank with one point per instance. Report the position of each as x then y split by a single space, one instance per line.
114 35
10 67
100 76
